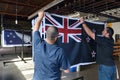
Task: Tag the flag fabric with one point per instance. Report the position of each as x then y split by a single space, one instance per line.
88 49
78 47
12 38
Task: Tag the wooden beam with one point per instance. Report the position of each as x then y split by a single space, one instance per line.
34 9
116 47
109 16
101 3
21 8
94 4
116 54
103 8
53 3
11 14
6 7
98 6
18 3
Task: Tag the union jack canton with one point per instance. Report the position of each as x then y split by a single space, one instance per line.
68 27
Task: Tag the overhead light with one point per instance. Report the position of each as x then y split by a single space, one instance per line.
16 21
51 4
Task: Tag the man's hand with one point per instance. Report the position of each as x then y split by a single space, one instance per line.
66 71
39 20
40 15
82 20
86 28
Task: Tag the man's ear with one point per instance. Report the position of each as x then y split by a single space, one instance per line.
56 37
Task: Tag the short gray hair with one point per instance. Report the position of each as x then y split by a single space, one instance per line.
52 32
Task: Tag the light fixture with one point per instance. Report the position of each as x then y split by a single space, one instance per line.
16 21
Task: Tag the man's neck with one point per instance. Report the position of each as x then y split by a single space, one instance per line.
49 41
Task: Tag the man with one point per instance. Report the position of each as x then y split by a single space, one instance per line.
48 57
104 57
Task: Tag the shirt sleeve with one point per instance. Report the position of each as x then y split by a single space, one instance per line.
64 62
36 38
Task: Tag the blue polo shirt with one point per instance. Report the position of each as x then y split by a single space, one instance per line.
48 59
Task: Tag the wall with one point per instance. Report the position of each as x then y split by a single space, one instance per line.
116 27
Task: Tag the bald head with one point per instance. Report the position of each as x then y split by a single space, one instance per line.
52 33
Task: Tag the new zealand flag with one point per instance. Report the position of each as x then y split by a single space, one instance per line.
77 45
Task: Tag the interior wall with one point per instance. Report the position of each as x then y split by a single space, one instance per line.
116 27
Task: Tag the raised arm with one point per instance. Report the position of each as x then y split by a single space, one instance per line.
87 29
40 17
